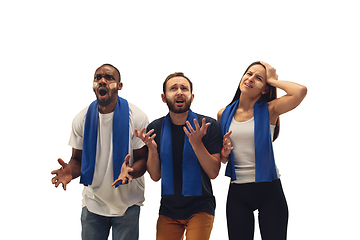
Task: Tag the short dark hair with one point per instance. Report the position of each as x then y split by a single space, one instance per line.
176 74
107 64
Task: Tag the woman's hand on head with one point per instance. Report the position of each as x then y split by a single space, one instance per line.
270 73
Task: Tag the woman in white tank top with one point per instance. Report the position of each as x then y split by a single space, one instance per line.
255 182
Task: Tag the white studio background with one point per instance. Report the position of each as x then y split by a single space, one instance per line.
50 50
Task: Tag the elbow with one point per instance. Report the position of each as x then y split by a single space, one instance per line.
215 172
303 91
299 95
155 177
213 176
215 169
224 160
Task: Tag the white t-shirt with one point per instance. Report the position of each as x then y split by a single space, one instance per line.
242 139
100 197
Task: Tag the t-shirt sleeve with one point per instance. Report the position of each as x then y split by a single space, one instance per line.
77 130
156 125
213 138
140 121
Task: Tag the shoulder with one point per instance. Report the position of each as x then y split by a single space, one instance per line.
78 124
134 110
80 117
213 138
137 115
156 123
220 112
214 125
207 118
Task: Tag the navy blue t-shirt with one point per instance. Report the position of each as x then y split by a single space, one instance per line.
178 206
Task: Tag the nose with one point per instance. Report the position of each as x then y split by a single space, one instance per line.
179 92
102 81
252 78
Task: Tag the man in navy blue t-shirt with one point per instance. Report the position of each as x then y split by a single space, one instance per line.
184 150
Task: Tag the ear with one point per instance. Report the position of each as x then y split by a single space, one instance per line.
120 85
163 98
192 97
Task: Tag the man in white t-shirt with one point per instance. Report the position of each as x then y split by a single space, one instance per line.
114 183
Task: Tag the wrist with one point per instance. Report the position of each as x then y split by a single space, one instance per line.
271 81
197 144
222 155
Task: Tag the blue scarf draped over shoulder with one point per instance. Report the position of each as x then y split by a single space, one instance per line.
265 169
120 140
191 169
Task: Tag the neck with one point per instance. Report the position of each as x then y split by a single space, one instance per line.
178 118
107 109
246 103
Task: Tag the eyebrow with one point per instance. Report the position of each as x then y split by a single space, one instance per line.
256 74
106 75
179 85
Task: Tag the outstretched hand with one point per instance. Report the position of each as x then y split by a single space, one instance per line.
125 172
195 136
63 174
147 138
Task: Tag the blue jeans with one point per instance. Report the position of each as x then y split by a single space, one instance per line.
96 227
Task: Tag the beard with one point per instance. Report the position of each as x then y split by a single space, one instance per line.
175 109
105 102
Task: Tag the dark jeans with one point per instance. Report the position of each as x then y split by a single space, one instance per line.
268 198
96 227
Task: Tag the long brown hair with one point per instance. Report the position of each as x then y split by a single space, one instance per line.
270 95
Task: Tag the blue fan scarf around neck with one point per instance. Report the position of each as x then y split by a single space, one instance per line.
120 140
191 170
265 170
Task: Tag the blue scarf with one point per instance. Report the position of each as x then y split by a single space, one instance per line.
120 140
265 170
191 170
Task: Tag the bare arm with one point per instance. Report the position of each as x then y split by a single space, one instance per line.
139 165
219 114
138 168
209 162
227 147
295 93
153 161
68 171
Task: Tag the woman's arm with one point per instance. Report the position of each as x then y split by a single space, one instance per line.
295 93
227 147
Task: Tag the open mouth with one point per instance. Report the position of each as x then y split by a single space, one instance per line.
248 85
102 92
180 102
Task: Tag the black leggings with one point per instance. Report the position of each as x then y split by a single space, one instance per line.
268 198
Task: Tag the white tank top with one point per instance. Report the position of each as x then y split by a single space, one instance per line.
242 139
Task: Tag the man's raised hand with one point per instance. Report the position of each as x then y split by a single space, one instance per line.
147 138
195 135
